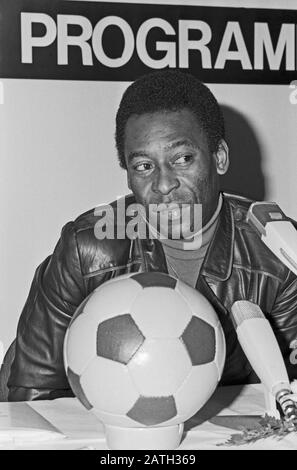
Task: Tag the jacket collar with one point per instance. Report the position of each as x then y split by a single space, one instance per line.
218 261
219 257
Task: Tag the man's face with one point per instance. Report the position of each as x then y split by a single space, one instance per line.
169 162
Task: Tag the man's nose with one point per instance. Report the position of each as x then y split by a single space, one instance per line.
165 181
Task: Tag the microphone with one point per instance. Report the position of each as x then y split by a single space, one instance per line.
260 346
275 230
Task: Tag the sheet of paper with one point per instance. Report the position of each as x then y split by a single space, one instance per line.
231 400
71 418
20 423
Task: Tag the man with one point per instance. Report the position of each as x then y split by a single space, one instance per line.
170 141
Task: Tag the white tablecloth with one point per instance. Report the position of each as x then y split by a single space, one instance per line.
65 424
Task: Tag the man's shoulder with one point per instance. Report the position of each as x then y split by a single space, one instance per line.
83 234
114 211
250 252
240 206
238 202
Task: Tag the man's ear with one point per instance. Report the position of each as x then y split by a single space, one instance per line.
222 157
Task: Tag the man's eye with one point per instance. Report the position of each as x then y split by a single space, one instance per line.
184 159
142 167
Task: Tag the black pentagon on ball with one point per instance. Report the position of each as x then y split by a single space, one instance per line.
150 411
155 279
74 380
200 341
119 338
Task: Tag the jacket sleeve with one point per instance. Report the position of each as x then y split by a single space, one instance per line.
284 318
284 321
57 289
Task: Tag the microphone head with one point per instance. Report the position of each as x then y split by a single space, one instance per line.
244 310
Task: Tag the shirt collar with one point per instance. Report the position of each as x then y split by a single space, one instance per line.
218 261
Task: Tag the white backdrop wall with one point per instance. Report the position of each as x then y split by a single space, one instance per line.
58 159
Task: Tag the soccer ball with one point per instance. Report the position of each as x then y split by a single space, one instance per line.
144 350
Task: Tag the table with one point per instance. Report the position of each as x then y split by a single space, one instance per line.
65 424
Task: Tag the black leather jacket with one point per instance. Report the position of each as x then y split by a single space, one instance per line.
237 266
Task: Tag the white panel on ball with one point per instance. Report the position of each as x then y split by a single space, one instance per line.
80 343
201 382
161 312
160 366
109 300
108 386
198 304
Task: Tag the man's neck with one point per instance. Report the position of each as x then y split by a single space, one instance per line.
185 258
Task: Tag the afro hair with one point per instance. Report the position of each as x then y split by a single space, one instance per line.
170 90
